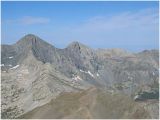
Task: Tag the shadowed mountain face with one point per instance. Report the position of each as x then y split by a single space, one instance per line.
35 73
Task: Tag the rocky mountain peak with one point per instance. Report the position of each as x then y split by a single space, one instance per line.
31 41
77 46
30 36
28 39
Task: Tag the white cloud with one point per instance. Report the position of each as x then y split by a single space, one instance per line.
29 20
34 20
127 20
131 29
137 29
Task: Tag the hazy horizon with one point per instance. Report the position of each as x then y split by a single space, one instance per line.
132 26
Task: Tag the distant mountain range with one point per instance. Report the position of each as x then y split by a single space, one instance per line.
35 73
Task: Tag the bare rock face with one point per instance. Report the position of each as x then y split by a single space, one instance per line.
35 73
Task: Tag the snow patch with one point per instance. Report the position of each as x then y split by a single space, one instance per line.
10 57
87 72
90 74
83 71
136 97
97 75
77 78
14 67
2 64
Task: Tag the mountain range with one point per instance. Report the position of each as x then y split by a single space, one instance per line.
39 80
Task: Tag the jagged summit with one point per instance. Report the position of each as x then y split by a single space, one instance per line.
31 35
31 41
76 43
28 39
77 46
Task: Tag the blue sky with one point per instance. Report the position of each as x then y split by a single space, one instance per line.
129 25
